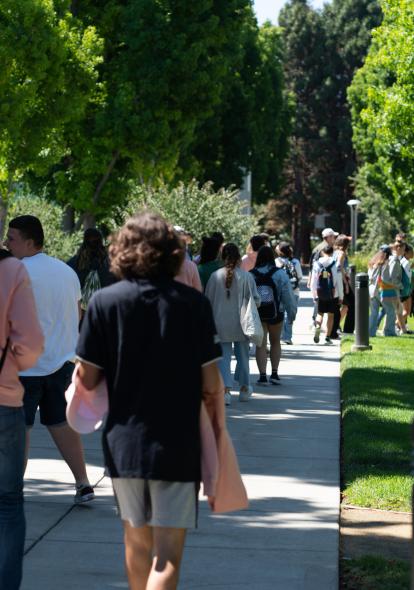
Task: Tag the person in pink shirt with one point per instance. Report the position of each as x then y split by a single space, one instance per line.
189 275
249 260
21 343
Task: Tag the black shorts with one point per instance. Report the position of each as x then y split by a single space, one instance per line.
279 318
330 306
48 394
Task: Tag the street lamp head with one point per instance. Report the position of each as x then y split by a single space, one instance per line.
353 203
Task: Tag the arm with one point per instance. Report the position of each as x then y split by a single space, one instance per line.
299 271
26 336
89 375
195 279
314 282
253 289
286 295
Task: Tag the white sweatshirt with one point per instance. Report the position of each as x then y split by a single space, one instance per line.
326 261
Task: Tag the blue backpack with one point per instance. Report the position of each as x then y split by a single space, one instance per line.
325 285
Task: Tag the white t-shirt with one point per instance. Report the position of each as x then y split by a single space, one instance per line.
57 292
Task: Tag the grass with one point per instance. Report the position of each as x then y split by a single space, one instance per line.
378 409
373 573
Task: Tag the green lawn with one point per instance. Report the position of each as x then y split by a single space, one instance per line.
375 573
378 409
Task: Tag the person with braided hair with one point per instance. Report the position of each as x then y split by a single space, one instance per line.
229 289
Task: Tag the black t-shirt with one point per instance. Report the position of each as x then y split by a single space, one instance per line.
151 338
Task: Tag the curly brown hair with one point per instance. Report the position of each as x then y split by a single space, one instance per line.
146 247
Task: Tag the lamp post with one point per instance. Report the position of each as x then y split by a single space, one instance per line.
354 204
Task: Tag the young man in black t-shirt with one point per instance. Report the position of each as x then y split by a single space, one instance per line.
154 341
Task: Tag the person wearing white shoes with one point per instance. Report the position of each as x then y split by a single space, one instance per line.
327 290
228 290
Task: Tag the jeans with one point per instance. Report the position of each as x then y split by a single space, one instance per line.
388 304
287 326
12 520
241 351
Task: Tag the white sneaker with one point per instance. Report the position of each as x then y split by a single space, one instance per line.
227 398
244 395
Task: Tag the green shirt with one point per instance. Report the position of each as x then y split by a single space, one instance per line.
206 270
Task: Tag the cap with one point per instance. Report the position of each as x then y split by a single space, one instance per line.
86 410
179 229
328 231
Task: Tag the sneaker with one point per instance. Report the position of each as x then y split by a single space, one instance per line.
288 342
84 494
274 378
328 340
227 398
262 380
245 394
317 334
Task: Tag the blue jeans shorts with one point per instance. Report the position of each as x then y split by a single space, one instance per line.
48 394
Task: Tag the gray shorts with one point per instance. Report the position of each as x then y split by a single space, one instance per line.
171 504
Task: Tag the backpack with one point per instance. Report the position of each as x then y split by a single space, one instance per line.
292 274
269 307
91 285
325 283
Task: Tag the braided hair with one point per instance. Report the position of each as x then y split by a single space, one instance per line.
231 258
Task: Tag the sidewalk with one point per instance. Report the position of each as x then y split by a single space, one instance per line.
287 440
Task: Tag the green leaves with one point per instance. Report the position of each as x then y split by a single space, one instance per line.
382 98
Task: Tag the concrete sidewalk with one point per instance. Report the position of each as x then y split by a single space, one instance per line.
287 440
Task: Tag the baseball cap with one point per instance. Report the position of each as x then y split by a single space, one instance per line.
86 410
328 231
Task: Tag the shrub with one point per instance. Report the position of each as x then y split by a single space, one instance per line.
199 209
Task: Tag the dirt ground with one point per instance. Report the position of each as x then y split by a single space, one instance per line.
376 532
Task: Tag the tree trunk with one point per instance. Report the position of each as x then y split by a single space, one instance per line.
88 220
68 219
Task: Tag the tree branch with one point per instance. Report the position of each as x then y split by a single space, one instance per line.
105 177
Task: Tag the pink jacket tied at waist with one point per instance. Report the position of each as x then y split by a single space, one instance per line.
222 481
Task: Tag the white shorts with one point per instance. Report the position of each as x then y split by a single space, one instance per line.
171 504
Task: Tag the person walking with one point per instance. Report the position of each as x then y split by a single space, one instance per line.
229 290
249 259
341 246
384 271
91 264
21 343
57 295
209 259
293 270
151 437
406 292
277 297
327 291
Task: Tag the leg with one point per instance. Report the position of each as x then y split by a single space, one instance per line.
261 353
388 304
70 447
330 324
12 521
275 348
138 555
373 317
168 547
225 364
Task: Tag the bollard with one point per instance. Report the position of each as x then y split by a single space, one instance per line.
361 313
352 273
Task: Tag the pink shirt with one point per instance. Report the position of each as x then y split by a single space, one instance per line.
189 275
18 321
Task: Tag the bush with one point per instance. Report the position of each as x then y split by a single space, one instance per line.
198 209
57 243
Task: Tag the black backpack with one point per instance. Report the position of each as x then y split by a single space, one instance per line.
325 285
292 274
269 307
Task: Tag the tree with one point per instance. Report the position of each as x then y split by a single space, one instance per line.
164 66
382 99
48 74
249 127
305 73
